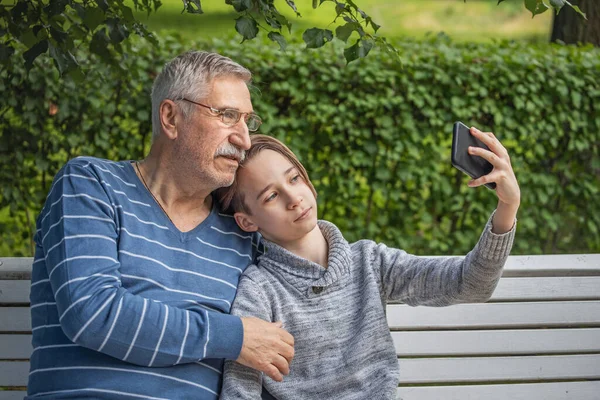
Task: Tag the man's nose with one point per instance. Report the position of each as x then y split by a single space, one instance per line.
241 138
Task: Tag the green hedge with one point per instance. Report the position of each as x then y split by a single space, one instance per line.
375 135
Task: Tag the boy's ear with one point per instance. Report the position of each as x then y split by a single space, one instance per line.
245 222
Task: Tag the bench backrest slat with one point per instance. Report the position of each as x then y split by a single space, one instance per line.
495 315
14 373
509 289
14 319
497 342
12 395
541 265
523 391
14 292
499 369
553 265
15 347
548 288
434 343
15 268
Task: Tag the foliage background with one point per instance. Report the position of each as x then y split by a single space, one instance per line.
471 21
375 135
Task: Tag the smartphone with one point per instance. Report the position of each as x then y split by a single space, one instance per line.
474 166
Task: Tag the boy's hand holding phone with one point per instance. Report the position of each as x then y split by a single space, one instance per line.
502 174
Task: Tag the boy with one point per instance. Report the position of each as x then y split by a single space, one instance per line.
331 295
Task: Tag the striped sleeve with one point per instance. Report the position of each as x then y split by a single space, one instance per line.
79 232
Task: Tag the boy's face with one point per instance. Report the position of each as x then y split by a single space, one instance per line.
282 205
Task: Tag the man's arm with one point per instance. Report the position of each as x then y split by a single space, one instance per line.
239 381
79 234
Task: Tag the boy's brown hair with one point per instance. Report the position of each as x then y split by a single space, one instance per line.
231 199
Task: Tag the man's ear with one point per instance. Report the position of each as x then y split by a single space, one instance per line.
169 116
245 222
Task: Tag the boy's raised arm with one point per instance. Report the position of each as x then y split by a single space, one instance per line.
445 280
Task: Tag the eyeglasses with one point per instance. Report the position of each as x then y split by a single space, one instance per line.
230 117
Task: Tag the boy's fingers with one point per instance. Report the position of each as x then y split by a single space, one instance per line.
486 154
481 181
491 141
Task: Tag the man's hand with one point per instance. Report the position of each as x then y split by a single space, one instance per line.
267 348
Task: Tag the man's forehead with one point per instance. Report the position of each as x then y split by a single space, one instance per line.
229 91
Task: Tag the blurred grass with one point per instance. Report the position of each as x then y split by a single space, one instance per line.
474 20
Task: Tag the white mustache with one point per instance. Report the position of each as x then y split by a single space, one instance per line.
230 150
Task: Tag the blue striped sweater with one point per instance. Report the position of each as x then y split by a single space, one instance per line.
123 304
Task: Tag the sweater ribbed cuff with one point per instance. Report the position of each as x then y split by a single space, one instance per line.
496 246
226 336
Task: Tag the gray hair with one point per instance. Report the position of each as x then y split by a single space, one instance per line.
190 75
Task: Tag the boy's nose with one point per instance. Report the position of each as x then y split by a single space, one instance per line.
295 202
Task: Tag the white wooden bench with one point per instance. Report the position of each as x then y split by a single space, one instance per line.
537 338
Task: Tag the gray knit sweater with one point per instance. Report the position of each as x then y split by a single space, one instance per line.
343 346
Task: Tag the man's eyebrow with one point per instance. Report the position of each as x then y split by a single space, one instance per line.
270 184
225 107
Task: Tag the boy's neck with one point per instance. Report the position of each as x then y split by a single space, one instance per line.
313 247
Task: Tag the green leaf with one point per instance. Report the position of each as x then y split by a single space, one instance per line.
360 49
343 32
247 27
557 4
5 52
127 14
293 7
278 37
273 23
578 10
19 10
58 35
77 75
93 17
76 32
28 38
64 61
283 21
56 7
373 24
535 6
31 54
192 6
99 45
117 31
358 10
241 5
103 5
315 37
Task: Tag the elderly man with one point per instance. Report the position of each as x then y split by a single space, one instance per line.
135 270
